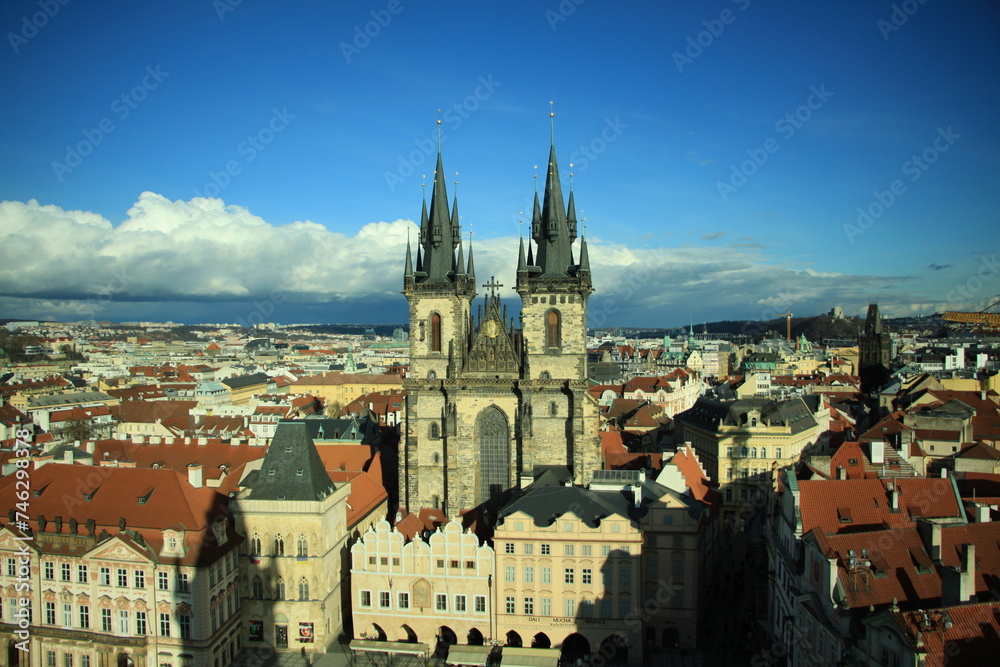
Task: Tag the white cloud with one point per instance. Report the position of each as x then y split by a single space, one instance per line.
75 264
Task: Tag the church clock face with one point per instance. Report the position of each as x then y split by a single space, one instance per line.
491 328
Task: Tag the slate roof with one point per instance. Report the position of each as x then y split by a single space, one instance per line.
246 380
547 499
65 399
292 469
709 414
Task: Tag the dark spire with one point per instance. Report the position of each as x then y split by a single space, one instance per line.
536 220
460 262
555 255
439 240
571 212
472 270
584 255
420 261
522 265
531 256
408 268
873 323
292 468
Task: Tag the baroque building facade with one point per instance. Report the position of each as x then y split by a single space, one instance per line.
488 400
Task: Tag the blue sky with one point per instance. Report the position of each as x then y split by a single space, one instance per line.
252 160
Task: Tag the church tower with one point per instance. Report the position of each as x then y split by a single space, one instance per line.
874 352
487 401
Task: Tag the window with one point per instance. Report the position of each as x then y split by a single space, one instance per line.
623 608
729 452
163 581
279 589
82 574
64 571
84 617
651 567
552 335
586 551
185 622
729 472
50 658
164 625
455 564
84 660
140 623
279 546
105 620
105 576
67 615
529 549
529 606
569 575
605 550
546 606
508 574
50 613
404 600
459 603
255 545
777 452
122 578
257 589
441 602
303 589
587 576
510 605
123 624
435 434
568 549
569 607
182 582
469 564
546 575
139 579
366 598
302 546
480 601
529 575
606 608
67 660
435 332
508 547
49 570
546 549
383 599
11 567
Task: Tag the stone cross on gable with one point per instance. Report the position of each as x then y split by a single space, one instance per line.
493 286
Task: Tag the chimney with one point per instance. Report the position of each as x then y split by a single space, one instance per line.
841 472
982 513
878 452
67 456
944 473
958 584
637 491
194 475
894 498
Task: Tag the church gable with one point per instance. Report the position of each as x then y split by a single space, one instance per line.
493 349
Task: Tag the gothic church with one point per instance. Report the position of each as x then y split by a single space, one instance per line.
488 400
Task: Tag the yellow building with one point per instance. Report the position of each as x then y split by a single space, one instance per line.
568 571
742 442
343 388
424 589
293 569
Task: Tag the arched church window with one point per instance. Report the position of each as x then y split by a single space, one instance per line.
431 375
552 328
435 332
553 409
435 430
545 375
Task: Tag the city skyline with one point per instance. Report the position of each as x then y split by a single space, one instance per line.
732 160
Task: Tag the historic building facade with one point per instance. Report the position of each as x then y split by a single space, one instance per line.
488 400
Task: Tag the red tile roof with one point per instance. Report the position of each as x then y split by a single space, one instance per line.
970 640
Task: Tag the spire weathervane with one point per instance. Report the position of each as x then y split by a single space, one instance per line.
552 123
439 130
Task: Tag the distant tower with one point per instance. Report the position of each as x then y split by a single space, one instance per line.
874 352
